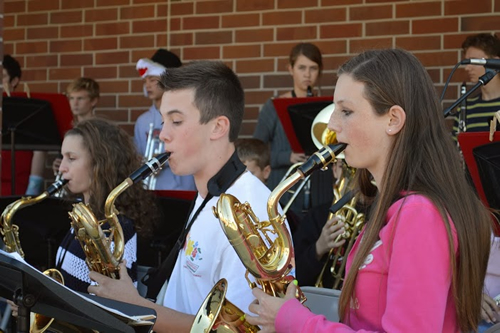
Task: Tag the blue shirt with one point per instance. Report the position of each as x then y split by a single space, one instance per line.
165 180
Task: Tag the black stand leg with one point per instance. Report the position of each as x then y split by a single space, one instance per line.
23 312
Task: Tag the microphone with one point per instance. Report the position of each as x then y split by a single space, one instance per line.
488 63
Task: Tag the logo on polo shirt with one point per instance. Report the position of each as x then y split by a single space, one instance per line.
193 253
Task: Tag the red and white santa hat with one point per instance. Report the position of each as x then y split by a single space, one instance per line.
147 67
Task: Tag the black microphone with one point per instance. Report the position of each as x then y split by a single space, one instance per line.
488 63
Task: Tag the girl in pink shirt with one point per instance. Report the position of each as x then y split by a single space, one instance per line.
420 262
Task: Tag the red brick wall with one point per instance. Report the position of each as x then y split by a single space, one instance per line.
58 40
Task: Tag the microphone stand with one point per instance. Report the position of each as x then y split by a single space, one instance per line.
483 80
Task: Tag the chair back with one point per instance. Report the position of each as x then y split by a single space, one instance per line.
322 301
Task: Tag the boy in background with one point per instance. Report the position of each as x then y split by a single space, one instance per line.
148 126
83 96
29 164
256 155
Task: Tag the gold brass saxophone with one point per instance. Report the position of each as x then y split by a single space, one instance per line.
12 244
96 242
217 314
9 231
268 261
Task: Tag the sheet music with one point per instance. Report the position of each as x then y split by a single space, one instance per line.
130 320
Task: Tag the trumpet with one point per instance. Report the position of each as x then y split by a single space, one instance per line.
154 147
353 223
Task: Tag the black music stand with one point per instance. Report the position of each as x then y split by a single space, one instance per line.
488 164
28 124
33 291
296 116
302 116
282 106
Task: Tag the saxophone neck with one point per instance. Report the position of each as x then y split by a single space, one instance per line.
109 206
277 193
10 232
10 210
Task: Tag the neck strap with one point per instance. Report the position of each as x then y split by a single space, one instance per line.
217 185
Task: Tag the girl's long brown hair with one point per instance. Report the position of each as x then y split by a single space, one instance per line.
114 157
423 160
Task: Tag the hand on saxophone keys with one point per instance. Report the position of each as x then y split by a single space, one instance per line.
330 236
266 307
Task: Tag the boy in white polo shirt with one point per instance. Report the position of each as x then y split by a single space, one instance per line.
202 110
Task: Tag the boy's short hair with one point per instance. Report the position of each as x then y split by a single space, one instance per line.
488 43
84 83
217 91
253 150
12 67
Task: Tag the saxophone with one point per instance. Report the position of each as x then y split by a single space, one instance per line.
9 231
12 244
96 242
268 261
271 265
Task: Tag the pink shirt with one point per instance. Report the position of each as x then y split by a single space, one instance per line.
404 284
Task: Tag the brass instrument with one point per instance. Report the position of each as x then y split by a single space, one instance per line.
352 219
10 231
353 222
96 242
269 261
154 146
217 314
321 136
12 244
40 323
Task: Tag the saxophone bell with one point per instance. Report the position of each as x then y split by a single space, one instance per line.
217 314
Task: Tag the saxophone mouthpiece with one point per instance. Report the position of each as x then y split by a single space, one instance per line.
56 186
321 158
152 166
309 92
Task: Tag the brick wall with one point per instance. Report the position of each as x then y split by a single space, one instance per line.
58 40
